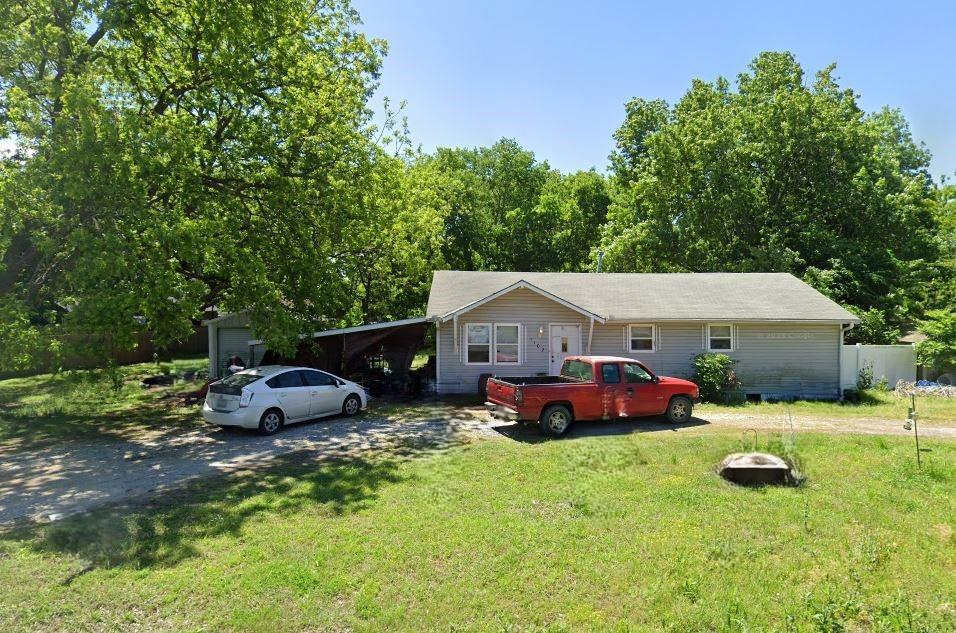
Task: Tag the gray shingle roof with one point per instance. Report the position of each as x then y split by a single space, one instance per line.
652 296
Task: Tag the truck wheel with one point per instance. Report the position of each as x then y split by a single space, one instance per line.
679 409
555 420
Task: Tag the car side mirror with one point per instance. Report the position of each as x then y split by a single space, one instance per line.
655 379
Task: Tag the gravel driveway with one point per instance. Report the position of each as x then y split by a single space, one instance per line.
49 482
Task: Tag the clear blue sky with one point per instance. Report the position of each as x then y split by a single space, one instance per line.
555 75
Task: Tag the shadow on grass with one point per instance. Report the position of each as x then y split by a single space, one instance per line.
24 429
46 409
531 433
164 531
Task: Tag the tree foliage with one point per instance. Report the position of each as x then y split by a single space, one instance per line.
174 156
178 154
508 211
775 175
873 329
939 348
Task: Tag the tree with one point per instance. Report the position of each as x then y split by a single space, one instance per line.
491 192
178 155
941 289
394 256
873 328
508 211
572 208
939 348
775 175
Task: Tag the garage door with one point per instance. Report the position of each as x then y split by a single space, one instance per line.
232 340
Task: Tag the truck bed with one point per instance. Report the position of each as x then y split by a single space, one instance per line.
520 381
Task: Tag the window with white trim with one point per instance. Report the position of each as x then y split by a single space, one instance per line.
507 344
478 344
640 338
720 337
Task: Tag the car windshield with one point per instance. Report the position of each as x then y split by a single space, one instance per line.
577 369
241 380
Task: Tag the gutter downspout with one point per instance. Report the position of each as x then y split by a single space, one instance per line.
843 330
590 334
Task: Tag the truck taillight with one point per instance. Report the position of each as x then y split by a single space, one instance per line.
519 397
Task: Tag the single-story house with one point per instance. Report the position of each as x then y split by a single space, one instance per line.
785 337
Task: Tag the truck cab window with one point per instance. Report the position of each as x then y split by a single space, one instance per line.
577 369
635 373
611 372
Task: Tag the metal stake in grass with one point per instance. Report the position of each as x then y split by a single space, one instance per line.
912 424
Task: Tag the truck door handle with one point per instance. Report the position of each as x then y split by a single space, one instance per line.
630 391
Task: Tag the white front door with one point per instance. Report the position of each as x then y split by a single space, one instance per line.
565 341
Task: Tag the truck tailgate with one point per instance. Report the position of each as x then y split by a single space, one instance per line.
501 392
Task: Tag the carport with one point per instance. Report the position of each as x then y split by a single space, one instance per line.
378 355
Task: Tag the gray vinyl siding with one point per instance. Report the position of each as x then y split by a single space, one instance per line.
775 360
532 311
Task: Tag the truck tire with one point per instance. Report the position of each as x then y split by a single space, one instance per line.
679 409
556 420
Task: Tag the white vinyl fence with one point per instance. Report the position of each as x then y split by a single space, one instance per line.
893 362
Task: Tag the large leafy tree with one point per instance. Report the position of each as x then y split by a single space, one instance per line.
505 210
941 291
570 212
391 267
491 192
178 154
775 174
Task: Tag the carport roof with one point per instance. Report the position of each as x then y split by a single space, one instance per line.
638 297
358 328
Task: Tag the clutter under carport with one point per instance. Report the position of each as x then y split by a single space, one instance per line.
378 356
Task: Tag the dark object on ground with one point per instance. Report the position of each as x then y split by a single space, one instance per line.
199 395
162 379
195 374
756 469
483 384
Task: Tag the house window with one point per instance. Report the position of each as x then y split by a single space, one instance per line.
640 338
478 344
720 337
507 344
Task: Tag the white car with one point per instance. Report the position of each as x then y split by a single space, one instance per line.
268 397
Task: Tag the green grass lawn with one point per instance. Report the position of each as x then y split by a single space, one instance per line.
86 404
632 532
874 404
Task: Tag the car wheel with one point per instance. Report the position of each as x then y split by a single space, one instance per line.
679 410
352 405
270 422
555 420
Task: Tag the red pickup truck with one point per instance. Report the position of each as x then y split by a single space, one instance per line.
590 388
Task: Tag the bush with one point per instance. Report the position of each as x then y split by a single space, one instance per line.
714 374
864 377
113 376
